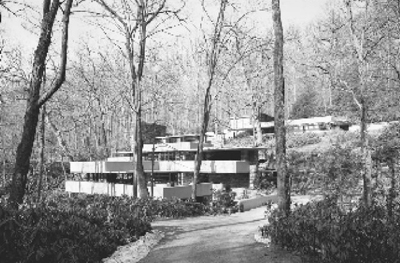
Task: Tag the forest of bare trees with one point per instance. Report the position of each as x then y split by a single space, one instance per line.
146 70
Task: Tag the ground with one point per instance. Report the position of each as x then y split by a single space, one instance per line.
225 238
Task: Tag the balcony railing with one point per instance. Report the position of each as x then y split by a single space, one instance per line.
163 191
225 167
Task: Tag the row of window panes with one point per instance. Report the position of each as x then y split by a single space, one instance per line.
170 156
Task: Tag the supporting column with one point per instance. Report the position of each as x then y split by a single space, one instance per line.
252 158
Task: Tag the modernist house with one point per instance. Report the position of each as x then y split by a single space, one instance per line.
245 123
170 164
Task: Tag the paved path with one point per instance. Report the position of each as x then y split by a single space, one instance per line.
215 239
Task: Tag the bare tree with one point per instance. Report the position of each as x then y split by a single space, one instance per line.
363 46
279 97
35 98
252 53
212 65
41 155
132 20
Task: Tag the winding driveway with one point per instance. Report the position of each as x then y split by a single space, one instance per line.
215 239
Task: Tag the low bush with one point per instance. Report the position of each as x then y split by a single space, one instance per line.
334 171
174 208
324 232
265 181
302 139
81 228
223 202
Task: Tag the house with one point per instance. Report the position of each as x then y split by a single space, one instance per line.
245 124
315 124
170 164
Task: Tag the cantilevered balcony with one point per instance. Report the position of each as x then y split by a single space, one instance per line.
162 191
225 167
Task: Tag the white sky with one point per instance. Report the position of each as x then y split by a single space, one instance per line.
294 12
302 12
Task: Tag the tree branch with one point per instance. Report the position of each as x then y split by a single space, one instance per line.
348 89
63 57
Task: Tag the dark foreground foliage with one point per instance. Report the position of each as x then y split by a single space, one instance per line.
324 232
223 202
81 228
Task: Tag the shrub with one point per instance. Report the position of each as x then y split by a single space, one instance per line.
223 202
265 181
83 228
301 139
326 233
333 171
63 229
174 208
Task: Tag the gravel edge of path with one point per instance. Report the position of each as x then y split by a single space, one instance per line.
135 251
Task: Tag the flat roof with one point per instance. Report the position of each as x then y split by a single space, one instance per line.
209 149
235 148
181 136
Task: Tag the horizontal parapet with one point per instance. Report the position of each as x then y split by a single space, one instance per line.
162 191
185 191
127 166
206 166
86 187
88 167
225 167
108 167
173 147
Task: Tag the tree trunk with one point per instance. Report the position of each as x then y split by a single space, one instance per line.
24 149
61 142
366 158
140 174
200 146
3 152
261 153
42 146
392 190
134 146
258 128
360 49
213 56
279 115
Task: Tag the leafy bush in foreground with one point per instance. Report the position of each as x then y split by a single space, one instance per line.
81 228
323 231
223 202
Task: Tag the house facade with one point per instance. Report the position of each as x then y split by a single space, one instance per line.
315 124
170 162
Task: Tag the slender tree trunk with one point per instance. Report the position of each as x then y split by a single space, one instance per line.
134 146
258 127
366 156
279 96
42 146
213 57
4 167
359 47
141 176
261 153
392 189
24 149
3 152
61 142
199 152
